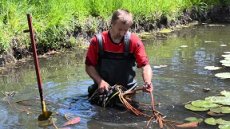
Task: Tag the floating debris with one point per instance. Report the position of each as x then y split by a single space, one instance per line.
206 89
72 121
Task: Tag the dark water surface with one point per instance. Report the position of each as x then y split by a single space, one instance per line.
184 54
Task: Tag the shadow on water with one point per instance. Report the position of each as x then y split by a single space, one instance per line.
183 55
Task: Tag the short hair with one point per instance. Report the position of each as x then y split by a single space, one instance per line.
122 14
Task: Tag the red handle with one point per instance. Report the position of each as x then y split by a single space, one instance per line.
37 68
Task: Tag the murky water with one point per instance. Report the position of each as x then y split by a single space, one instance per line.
184 54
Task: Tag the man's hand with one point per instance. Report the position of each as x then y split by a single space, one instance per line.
103 86
148 87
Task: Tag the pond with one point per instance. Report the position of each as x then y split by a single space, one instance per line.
178 62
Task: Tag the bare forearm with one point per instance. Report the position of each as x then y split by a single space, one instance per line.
147 74
92 72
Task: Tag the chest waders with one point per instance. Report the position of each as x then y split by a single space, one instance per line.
117 68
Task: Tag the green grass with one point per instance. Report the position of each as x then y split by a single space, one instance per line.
54 19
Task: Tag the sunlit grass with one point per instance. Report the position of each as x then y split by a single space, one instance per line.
53 19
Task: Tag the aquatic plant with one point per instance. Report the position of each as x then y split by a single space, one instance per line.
125 97
215 106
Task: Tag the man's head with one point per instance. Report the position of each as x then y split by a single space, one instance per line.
120 23
123 15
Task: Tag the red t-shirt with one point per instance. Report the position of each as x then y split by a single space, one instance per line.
136 47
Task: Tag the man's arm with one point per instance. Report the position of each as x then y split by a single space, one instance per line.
92 72
147 77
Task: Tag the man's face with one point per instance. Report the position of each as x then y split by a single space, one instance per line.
119 29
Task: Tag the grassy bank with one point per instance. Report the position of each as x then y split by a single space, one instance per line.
59 22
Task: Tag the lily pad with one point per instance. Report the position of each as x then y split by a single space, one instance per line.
216 110
223 75
226 56
224 126
225 93
226 65
194 119
225 61
222 122
204 104
211 68
223 109
219 100
227 52
193 108
210 121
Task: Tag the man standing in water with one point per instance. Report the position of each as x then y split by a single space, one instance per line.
113 55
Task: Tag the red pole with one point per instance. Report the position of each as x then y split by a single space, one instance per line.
37 68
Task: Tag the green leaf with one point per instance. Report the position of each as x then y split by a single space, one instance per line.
224 126
225 109
193 108
225 93
194 119
210 121
222 122
204 104
216 110
219 99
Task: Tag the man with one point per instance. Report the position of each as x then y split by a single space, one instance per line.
113 55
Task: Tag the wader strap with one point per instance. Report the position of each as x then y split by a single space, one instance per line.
99 39
126 41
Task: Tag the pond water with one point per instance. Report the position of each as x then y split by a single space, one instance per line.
184 54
